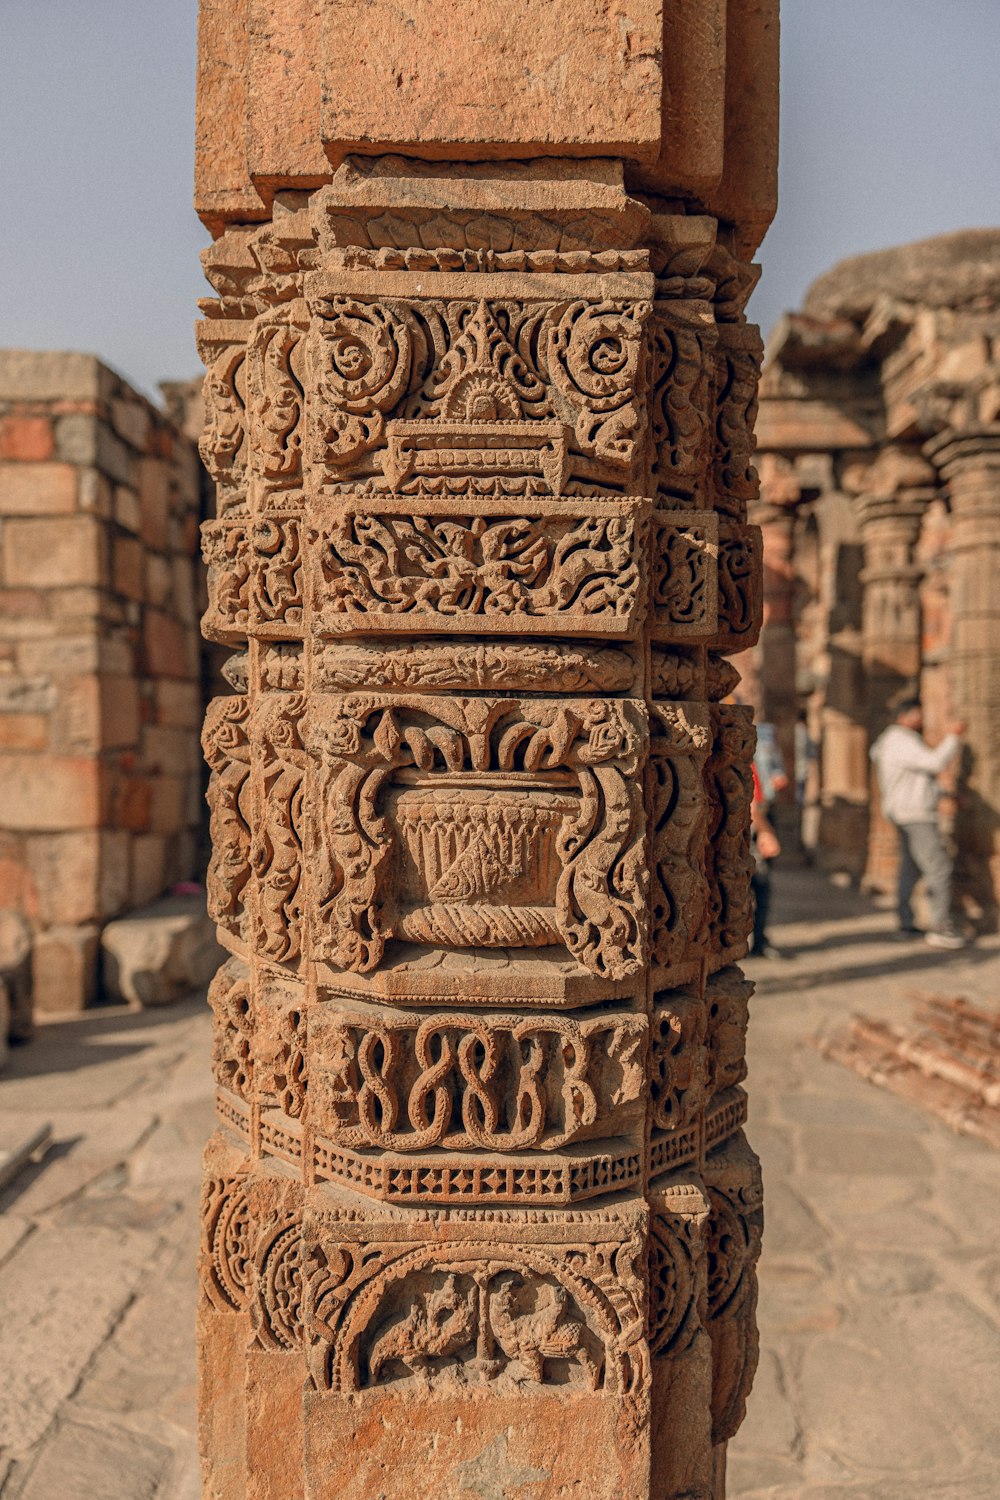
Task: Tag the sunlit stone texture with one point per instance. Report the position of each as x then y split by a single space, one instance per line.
479 1216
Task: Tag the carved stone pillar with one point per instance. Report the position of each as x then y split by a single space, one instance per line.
890 625
479 1215
969 463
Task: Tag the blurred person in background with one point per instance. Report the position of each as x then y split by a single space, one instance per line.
908 771
769 778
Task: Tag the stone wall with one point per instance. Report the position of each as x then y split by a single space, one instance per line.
100 666
879 456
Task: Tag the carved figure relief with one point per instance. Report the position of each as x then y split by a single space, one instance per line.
476 1313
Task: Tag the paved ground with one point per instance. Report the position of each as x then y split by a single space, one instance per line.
880 1282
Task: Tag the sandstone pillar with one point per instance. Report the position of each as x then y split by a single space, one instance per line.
890 621
479 1216
969 463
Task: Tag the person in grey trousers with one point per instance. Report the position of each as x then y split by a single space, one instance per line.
908 771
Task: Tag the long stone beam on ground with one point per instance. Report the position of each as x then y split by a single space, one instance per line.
480 1212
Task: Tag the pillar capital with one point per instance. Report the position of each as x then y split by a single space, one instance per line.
288 88
957 451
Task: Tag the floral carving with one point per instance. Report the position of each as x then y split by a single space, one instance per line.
276 572
226 551
740 356
679 1078
460 569
430 666
729 782
482 377
739 585
279 1046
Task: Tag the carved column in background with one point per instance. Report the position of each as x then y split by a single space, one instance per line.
969 463
890 625
479 1215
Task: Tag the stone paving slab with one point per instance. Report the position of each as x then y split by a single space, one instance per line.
97 1258
880 1277
879 1306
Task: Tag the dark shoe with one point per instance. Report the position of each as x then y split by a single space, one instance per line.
908 934
767 950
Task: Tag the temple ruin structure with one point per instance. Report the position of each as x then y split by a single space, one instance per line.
479 1216
100 670
879 455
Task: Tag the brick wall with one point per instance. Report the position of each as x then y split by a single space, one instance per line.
100 668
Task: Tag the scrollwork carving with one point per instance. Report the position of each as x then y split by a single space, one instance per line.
596 357
226 1250
276 855
222 444
465 1082
232 1032
226 743
275 403
360 358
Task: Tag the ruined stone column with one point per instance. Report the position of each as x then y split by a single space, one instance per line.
969 463
890 519
479 1216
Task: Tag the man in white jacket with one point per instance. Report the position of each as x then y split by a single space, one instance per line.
908 771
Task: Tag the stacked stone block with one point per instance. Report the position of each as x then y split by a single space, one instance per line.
100 692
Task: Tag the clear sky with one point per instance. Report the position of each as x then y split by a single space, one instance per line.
890 132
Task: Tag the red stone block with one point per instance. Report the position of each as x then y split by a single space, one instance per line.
28 439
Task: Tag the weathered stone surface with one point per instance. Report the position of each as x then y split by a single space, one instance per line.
687 96
43 1309
158 954
479 413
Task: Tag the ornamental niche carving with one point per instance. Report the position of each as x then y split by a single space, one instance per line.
480 814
